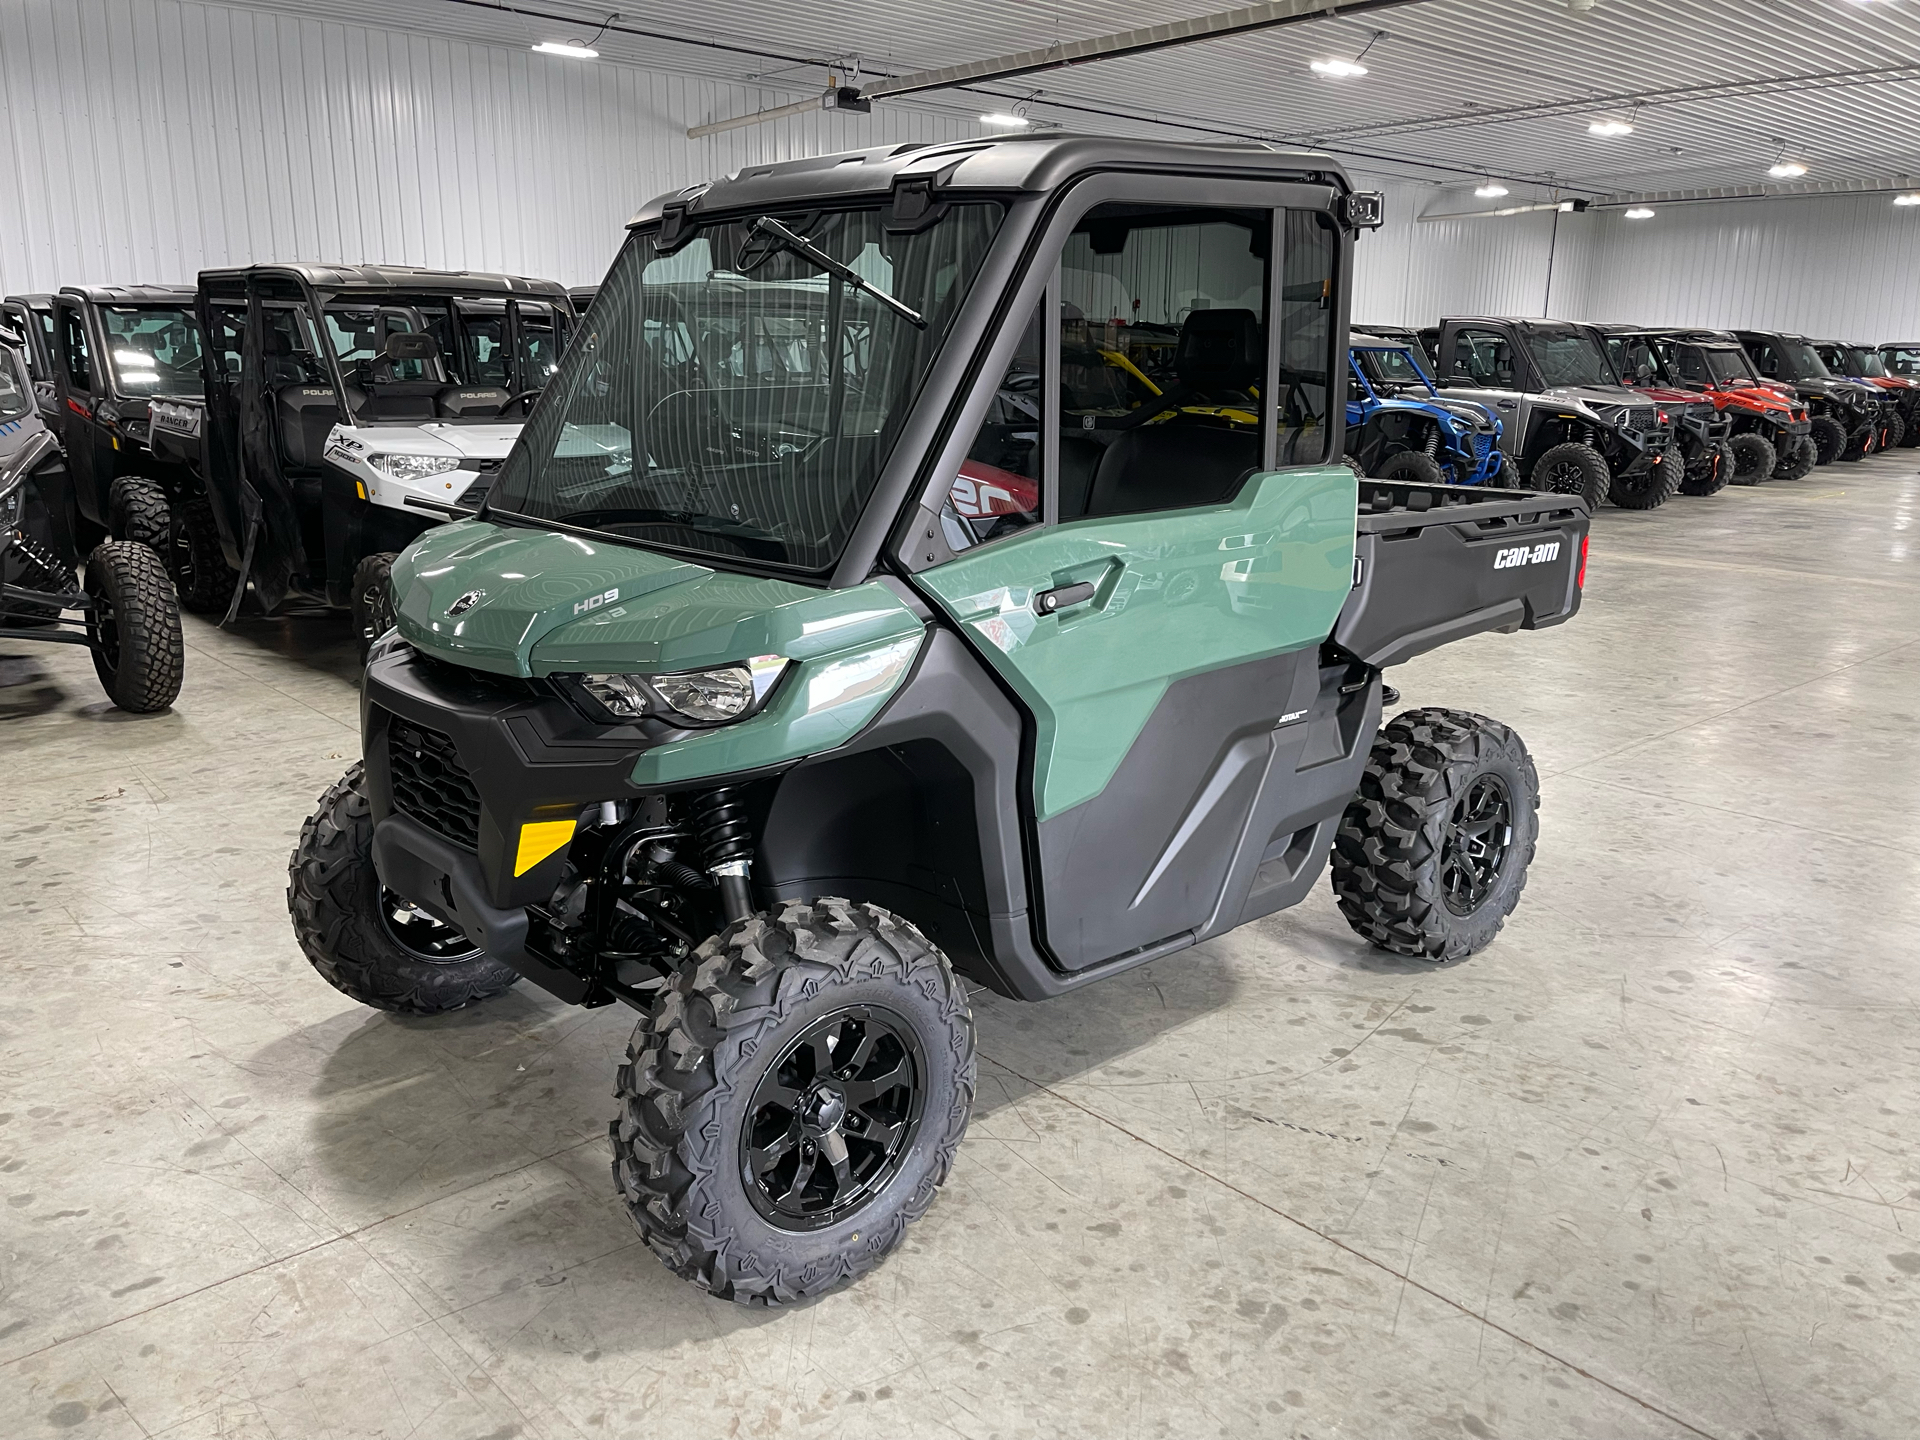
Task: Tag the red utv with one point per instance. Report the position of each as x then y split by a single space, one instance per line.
1772 434
1700 430
1900 425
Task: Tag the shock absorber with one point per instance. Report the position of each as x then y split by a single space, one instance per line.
726 839
42 571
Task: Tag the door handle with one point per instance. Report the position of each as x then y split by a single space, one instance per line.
1048 602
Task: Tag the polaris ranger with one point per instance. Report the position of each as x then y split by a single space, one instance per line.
737 704
1769 425
1569 426
1700 431
1845 414
124 612
348 408
1900 418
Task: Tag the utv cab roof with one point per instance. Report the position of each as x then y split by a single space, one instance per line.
175 295
1036 164
32 302
388 280
1367 340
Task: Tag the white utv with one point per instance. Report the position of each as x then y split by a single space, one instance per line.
349 408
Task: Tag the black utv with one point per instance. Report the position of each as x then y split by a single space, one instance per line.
124 611
793 669
115 351
1846 415
1570 426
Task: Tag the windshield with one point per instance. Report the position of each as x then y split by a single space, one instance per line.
1904 362
477 346
1868 362
155 350
16 396
1636 360
1804 360
731 399
1392 367
1729 366
1568 357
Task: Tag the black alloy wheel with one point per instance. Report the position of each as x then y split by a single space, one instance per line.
421 934
1478 835
832 1118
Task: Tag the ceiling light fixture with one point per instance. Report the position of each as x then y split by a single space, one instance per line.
1912 197
1006 119
1610 127
1786 169
571 50
1492 190
1336 68
1639 212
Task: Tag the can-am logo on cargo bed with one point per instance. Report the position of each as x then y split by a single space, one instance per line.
594 602
1526 555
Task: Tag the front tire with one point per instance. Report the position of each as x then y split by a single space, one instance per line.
1753 458
1893 434
794 1101
1649 489
1573 469
1797 459
1829 439
134 624
1415 466
199 566
372 600
1433 850
137 510
366 942
1711 473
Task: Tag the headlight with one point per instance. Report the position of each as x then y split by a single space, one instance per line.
726 692
413 467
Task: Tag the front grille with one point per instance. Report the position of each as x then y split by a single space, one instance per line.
1481 445
1640 417
431 785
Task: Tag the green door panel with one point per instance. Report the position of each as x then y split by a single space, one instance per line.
1178 592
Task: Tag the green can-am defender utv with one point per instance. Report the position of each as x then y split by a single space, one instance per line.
805 655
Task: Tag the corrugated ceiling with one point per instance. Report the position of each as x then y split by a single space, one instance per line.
1715 88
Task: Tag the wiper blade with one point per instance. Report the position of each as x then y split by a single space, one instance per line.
807 250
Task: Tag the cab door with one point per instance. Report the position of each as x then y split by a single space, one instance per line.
1482 366
80 383
1137 563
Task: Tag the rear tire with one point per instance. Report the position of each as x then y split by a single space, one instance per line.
1413 466
1861 443
372 600
1829 439
1893 434
366 942
1649 489
1753 458
200 569
1911 437
1710 473
137 510
1573 469
138 652
1797 459
743 1036
1433 850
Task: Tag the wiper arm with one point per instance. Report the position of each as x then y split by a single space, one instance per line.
807 250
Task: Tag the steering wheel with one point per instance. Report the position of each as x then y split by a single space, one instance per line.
526 397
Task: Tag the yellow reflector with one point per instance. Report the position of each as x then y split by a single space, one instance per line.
538 840
361 486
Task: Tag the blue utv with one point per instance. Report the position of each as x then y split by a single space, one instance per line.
1400 428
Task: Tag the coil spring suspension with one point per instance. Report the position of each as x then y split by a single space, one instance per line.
725 834
43 570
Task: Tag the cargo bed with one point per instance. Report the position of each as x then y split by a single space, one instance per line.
1437 563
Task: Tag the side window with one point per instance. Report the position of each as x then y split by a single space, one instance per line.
229 325
1163 343
1689 366
1765 359
1903 362
997 491
1311 250
1485 358
73 346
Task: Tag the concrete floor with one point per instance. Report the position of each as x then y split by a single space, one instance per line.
1646 1166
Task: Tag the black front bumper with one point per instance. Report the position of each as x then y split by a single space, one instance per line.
466 759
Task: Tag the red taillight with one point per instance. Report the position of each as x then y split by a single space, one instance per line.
1580 577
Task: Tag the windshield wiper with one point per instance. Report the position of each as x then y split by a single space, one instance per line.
799 244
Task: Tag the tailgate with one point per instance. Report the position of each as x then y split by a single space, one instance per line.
1436 563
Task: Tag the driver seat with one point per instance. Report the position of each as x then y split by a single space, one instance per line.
394 399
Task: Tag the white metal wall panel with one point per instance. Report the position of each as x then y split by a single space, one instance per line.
148 139
1409 273
1835 267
